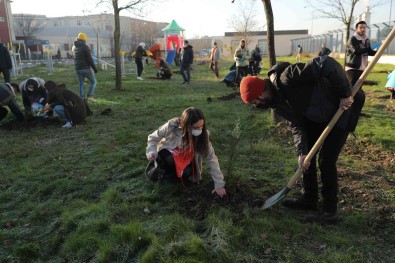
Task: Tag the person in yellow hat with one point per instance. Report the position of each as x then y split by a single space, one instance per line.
83 62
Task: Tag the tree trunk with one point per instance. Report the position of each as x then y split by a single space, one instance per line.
270 45
270 32
346 38
117 49
97 49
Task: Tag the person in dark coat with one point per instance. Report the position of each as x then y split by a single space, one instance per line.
34 96
324 50
186 62
308 95
5 63
140 53
83 62
65 104
7 98
357 51
165 71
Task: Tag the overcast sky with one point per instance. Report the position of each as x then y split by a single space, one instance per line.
205 17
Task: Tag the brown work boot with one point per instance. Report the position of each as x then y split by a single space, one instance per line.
300 204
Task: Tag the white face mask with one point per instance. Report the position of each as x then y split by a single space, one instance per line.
196 132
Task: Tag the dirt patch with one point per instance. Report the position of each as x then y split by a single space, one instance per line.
239 196
30 123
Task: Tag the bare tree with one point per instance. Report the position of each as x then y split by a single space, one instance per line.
118 6
98 24
244 22
145 31
28 25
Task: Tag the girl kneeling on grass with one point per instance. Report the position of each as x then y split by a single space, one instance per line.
178 146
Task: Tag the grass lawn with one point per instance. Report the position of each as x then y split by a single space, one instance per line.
80 195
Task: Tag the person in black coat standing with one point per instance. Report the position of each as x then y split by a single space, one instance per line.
5 63
140 53
186 62
83 62
308 95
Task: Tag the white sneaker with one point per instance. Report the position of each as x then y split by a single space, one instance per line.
139 78
67 125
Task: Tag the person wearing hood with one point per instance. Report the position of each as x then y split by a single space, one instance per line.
242 56
140 53
83 62
186 62
8 93
5 63
308 95
34 96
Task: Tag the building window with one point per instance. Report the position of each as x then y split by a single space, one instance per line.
55 23
79 23
66 23
2 19
108 28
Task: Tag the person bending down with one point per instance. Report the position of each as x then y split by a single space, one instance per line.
178 146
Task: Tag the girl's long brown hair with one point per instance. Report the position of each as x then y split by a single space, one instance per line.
198 143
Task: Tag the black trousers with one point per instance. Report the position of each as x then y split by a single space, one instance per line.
353 75
3 112
140 66
166 162
241 70
327 158
6 75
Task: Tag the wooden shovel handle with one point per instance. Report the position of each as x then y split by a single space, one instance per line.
339 112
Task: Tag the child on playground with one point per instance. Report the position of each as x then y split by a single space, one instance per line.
391 83
178 146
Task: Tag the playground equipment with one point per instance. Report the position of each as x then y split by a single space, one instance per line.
16 61
49 62
174 37
105 64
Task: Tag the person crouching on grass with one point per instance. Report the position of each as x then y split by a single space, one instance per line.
178 147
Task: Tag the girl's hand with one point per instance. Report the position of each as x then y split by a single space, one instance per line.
219 191
152 156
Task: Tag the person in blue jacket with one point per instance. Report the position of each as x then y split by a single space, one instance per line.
390 85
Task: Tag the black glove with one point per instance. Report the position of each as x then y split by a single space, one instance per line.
95 70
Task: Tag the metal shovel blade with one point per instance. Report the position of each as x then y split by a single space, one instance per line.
276 198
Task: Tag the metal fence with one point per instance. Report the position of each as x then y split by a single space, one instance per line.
334 39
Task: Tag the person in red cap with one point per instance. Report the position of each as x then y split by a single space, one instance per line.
308 95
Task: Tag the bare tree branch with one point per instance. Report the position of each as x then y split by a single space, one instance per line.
135 6
245 21
28 25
